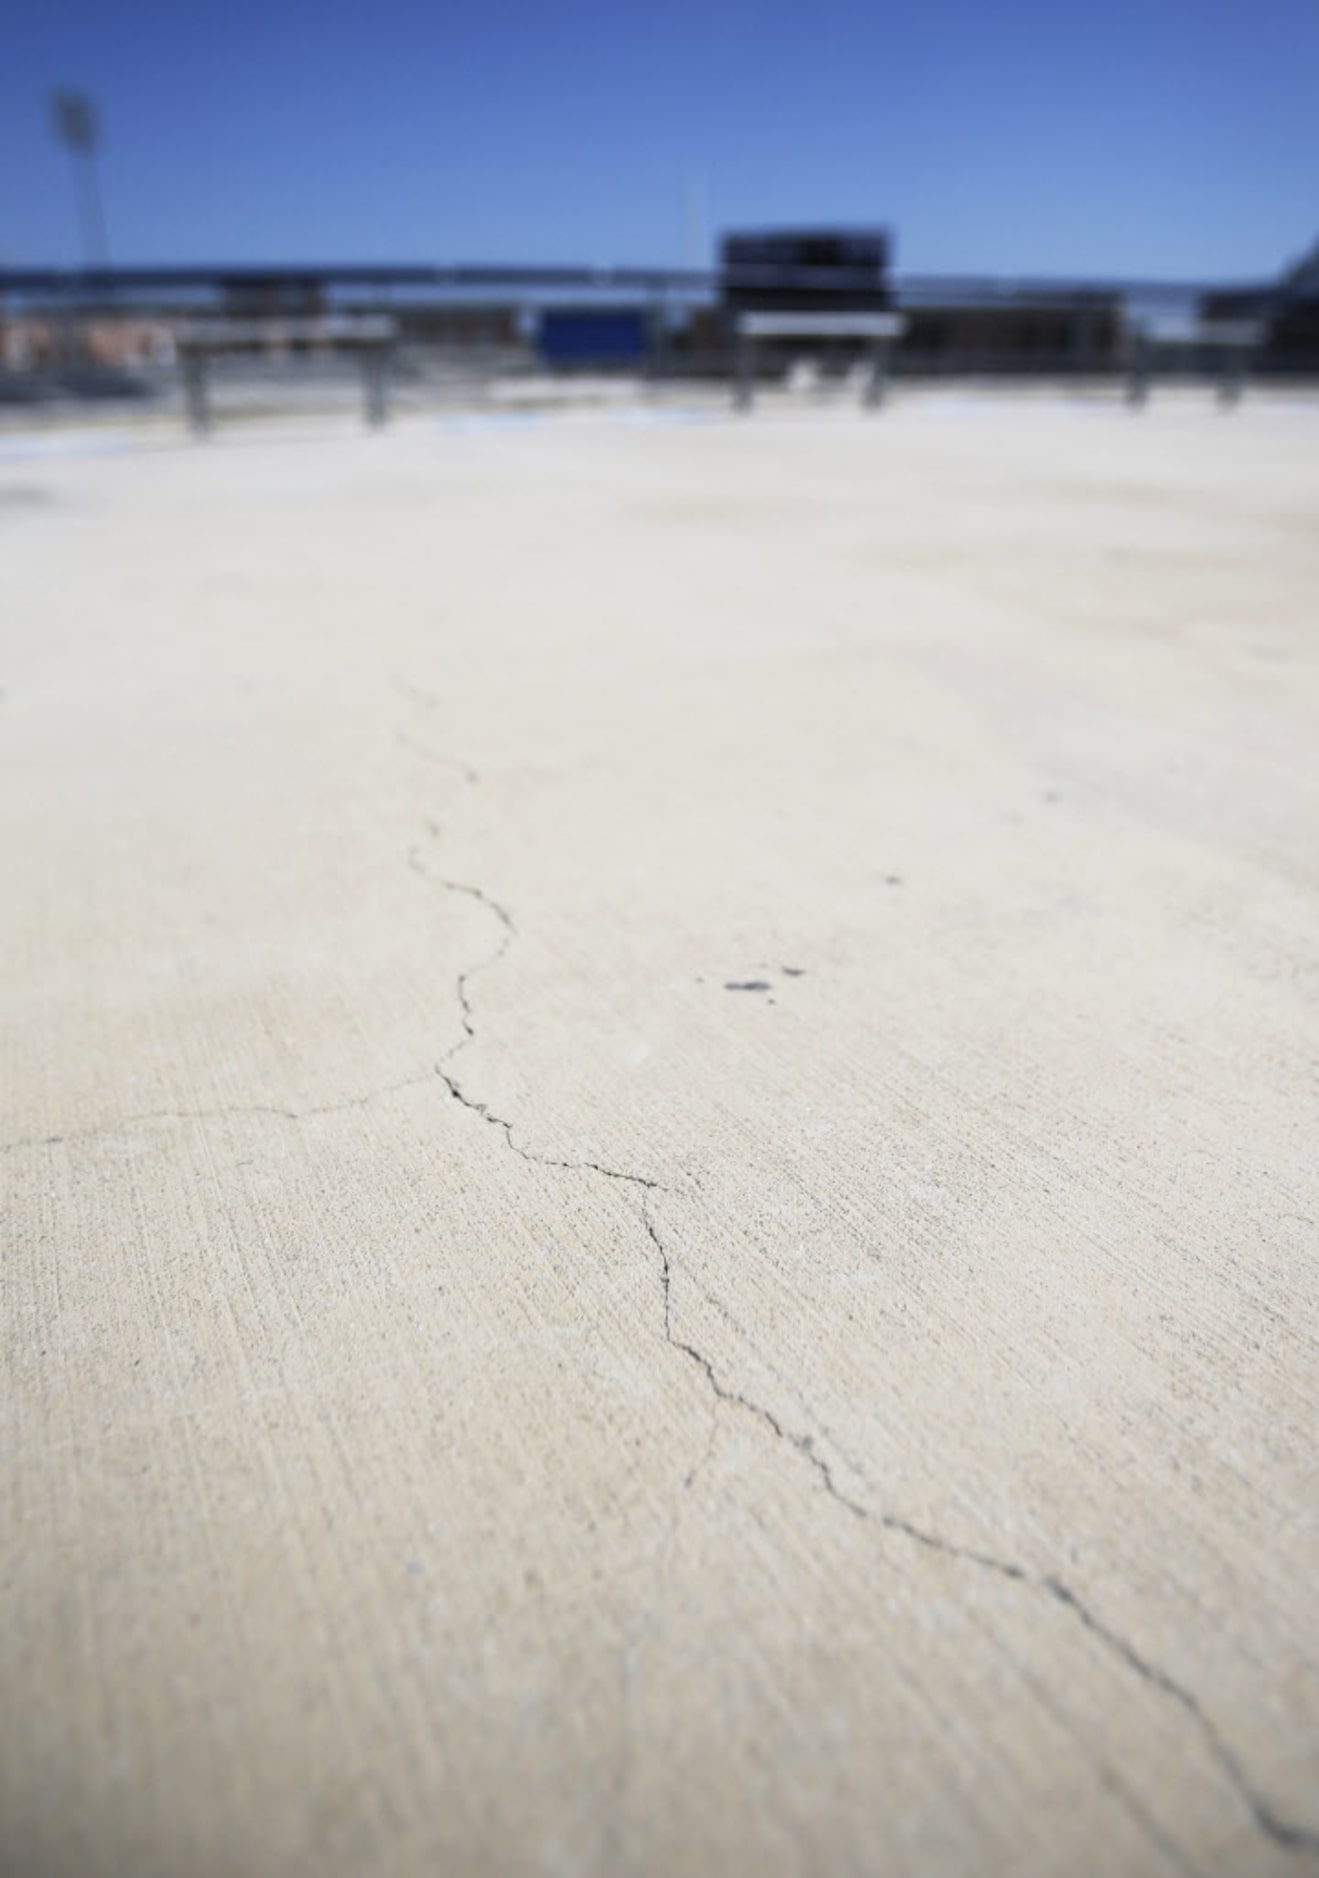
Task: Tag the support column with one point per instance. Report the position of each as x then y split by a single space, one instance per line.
744 370
657 337
881 366
1231 375
375 385
196 397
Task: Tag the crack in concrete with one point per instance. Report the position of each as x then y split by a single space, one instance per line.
227 1112
465 770
1283 1832
151 1117
1108 1776
467 1018
487 1114
464 978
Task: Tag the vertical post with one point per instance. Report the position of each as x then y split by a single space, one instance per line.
91 207
881 351
78 127
652 337
66 344
375 384
192 361
744 369
1138 370
1231 375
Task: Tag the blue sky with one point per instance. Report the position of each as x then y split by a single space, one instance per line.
1154 137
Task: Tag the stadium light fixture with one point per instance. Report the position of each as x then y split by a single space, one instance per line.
78 129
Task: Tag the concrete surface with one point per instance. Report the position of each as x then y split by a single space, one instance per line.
660 1149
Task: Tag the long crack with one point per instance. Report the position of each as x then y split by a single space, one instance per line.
1283 1832
467 1018
230 1111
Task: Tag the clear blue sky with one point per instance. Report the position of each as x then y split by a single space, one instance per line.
1176 138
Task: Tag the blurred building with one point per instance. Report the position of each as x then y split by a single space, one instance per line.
461 325
119 342
450 320
1293 338
1287 312
1072 334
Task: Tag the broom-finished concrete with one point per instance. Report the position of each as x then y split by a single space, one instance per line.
660 1146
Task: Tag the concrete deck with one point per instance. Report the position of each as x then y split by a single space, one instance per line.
660 1146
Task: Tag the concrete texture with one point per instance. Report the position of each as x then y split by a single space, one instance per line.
659 1143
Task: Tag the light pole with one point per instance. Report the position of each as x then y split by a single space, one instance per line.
696 229
77 128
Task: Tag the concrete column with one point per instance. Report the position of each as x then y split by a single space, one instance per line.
657 337
744 370
881 365
375 385
1232 364
192 363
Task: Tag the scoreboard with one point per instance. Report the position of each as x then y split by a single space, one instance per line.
806 270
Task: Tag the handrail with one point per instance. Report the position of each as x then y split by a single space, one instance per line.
123 282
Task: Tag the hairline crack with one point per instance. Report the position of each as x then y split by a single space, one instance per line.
1281 1831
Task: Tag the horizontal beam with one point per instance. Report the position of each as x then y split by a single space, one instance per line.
821 325
251 278
124 283
336 330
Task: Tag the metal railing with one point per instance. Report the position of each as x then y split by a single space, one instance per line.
207 316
